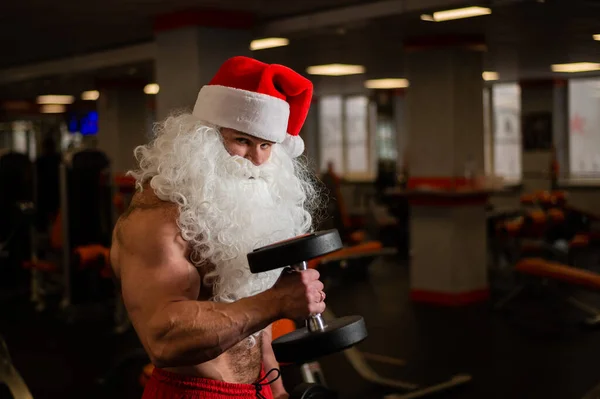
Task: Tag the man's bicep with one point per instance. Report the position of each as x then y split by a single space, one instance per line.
155 273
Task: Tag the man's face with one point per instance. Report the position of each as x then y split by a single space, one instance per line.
257 151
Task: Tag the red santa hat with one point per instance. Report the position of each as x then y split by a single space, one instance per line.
268 101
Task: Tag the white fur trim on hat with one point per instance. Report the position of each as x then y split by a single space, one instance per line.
256 114
294 145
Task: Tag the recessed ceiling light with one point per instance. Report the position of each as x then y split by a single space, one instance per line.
90 95
55 99
335 69
268 42
576 67
53 109
458 13
389 83
151 88
489 75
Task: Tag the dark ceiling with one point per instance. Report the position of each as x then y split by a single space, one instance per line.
34 30
524 37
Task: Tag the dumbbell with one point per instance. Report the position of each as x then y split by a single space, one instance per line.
319 337
312 391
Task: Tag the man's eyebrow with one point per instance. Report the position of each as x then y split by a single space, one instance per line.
252 138
244 135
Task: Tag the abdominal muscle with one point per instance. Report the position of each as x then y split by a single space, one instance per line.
241 364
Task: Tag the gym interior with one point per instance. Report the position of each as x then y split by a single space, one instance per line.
457 144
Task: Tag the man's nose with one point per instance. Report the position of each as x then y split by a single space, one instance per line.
257 156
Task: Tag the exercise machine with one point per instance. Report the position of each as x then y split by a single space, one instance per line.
76 264
11 381
326 334
16 188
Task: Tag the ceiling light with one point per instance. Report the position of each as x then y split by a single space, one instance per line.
597 37
151 88
457 13
52 109
268 42
55 99
386 83
576 67
90 95
335 69
489 75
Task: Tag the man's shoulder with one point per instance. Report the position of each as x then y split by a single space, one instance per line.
147 217
146 201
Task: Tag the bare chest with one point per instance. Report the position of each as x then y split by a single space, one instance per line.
242 363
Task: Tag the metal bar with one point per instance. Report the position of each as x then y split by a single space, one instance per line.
307 375
361 366
15 383
451 383
300 266
10 376
66 245
511 295
384 359
587 308
316 322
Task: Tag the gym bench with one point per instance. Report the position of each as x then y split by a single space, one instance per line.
567 275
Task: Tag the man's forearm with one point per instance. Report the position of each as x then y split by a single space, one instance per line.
193 332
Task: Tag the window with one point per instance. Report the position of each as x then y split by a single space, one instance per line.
357 134
330 133
584 128
23 138
69 140
506 117
344 134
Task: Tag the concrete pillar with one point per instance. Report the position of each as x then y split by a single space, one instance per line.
122 123
191 46
445 126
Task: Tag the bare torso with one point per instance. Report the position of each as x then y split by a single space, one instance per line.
239 364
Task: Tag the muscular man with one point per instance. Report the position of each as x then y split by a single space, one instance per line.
214 185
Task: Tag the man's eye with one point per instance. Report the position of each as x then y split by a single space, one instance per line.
264 146
242 141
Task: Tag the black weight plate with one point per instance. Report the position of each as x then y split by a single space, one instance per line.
301 346
295 250
307 390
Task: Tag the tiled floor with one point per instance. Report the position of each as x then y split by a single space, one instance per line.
524 353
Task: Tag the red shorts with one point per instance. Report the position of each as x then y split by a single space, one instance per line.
166 385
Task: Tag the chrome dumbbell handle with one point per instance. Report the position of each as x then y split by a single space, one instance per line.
316 322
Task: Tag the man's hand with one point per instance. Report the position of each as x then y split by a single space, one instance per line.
299 294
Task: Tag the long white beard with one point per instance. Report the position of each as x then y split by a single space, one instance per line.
227 206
